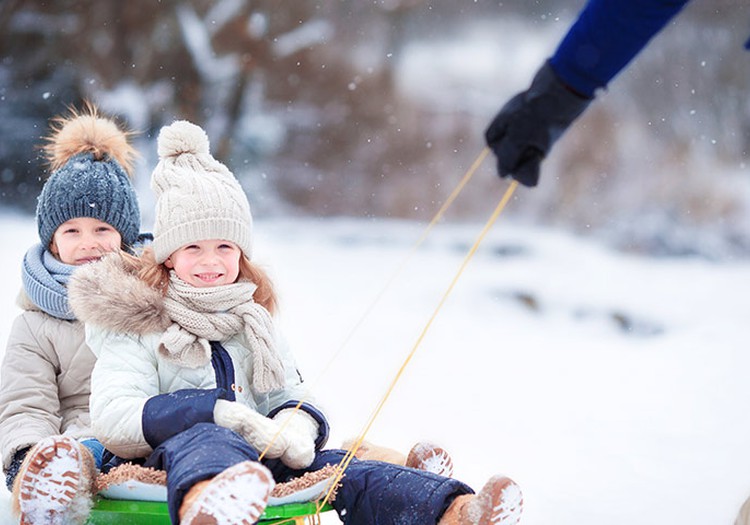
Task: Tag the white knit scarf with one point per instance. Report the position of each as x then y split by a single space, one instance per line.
215 313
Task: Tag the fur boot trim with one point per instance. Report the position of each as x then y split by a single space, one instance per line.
129 481
311 486
55 485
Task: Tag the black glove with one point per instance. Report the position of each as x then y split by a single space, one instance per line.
530 123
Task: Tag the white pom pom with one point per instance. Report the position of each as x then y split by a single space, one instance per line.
182 137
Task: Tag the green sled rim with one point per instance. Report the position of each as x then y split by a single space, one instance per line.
130 512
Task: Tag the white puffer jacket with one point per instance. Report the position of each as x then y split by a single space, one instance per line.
124 321
130 370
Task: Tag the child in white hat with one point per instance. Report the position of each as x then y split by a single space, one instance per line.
193 376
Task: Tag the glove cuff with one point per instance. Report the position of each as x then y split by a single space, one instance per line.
553 96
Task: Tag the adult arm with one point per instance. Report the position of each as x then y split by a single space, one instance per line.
607 35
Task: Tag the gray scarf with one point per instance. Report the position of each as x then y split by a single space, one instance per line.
44 281
215 313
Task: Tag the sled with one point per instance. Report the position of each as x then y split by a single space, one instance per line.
132 512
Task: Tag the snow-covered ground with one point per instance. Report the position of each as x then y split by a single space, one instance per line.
614 389
597 424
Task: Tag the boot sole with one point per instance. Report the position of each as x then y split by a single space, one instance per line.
52 475
430 458
237 496
507 502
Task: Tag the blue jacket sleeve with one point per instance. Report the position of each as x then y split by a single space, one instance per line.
607 35
166 415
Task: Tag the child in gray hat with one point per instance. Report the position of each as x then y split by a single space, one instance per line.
86 208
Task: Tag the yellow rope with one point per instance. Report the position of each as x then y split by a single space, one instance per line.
352 451
350 454
452 197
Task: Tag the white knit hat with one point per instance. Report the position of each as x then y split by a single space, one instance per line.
198 198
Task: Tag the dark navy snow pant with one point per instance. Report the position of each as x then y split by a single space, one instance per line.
376 493
371 492
198 453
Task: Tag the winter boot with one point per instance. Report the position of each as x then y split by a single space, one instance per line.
422 456
370 452
237 496
431 458
498 503
55 485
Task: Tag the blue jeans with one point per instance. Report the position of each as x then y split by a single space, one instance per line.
96 449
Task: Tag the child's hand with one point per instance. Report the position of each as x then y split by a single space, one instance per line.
258 430
300 431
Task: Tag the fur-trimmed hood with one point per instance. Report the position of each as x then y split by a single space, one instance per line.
126 322
106 294
25 303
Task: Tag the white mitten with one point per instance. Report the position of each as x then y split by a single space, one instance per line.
300 430
257 429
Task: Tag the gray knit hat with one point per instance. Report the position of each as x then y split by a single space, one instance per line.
89 156
198 198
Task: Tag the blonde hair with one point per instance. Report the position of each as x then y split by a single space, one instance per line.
156 275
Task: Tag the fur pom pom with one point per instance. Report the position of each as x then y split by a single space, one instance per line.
182 137
88 132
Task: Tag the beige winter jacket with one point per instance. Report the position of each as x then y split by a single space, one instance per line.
743 518
44 381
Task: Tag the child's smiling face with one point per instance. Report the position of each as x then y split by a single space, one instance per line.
84 239
206 263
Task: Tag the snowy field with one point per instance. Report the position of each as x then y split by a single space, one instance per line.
614 389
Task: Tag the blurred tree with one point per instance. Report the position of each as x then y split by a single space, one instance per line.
303 102
270 85
32 88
